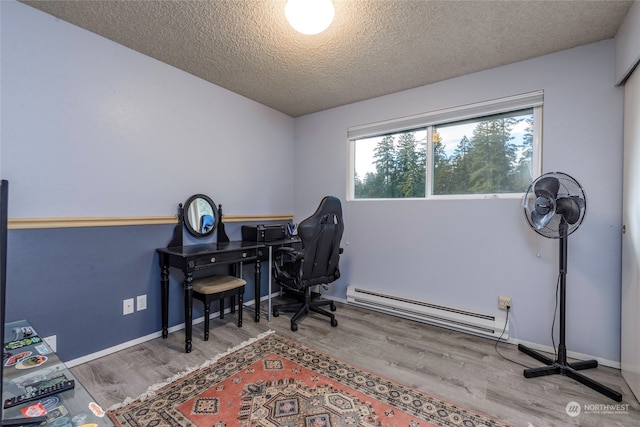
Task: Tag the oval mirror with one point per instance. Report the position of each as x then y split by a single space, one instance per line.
200 215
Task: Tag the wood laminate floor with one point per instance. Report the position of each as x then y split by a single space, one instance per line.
453 366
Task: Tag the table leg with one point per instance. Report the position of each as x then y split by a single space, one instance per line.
164 292
188 311
270 276
257 289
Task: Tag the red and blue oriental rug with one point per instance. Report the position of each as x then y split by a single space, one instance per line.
273 381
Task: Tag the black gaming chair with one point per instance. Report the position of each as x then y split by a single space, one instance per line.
315 264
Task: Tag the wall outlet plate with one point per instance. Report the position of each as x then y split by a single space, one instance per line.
127 306
141 302
504 302
52 341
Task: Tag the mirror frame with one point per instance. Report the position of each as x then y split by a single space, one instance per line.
185 215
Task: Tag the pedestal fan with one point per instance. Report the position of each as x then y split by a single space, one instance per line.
554 206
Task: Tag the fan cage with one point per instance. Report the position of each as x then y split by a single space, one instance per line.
569 187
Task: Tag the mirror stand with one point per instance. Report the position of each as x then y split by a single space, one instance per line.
200 217
176 240
222 233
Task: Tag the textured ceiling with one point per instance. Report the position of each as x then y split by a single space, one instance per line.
372 48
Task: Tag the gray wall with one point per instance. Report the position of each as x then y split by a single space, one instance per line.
90 128
71 282
93 129
464 253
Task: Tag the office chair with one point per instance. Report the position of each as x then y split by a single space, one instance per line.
315 264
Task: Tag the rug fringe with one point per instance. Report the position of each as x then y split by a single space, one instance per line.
151 391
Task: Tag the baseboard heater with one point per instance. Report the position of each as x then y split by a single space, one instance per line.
483 324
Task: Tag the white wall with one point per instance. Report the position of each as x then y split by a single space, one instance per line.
91 128
627 57
628 44
466 253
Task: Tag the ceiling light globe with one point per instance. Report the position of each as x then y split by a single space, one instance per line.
309 16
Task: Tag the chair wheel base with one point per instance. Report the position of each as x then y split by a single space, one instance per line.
302 310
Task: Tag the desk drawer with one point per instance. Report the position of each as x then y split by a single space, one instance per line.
221 258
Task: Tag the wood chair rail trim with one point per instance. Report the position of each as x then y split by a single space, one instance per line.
78 222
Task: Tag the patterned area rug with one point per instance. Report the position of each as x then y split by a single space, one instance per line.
274 381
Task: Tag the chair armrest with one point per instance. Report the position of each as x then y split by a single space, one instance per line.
287 252
282 249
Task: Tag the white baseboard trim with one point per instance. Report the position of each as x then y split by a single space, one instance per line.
336 299
125 345
140 340
539 347
149 337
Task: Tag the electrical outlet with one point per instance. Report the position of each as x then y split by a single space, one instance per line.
503 302
127 306
141 302
52 341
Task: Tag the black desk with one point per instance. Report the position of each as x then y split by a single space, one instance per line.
196 258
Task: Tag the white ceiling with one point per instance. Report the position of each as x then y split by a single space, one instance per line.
372 48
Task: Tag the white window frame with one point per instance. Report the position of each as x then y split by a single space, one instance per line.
478 110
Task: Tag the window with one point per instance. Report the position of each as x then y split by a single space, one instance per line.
480 150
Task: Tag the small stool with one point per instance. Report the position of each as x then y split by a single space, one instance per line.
218 287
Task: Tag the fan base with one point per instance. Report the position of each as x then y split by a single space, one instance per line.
562 367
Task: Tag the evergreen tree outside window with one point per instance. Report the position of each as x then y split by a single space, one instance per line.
493 154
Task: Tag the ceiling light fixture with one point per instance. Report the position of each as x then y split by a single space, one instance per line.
309 16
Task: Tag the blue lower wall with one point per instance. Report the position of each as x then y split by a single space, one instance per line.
70 282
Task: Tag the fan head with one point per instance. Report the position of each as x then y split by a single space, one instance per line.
555 205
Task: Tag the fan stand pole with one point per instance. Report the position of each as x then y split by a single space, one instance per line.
560 365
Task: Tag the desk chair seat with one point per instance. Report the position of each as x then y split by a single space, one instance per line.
217 288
